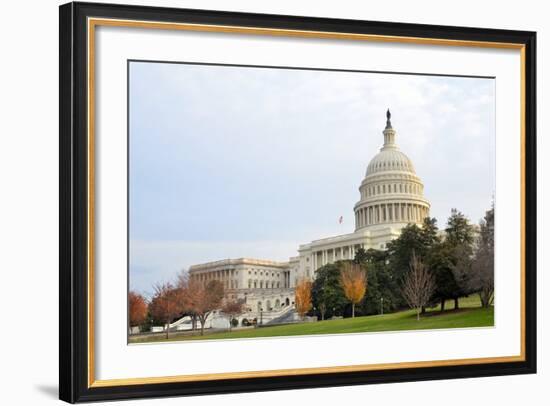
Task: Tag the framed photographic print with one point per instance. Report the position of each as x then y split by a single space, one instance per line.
258 202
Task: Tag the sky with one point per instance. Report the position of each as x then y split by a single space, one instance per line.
229 162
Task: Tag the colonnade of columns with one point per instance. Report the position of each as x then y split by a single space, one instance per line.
226 276
388 212
323 257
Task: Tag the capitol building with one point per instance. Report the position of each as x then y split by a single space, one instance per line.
391 195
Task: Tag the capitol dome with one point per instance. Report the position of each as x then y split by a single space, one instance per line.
391 192
390 160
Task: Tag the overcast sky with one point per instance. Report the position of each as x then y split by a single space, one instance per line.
229 162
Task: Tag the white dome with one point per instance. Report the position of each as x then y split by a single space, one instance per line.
390 159
391 193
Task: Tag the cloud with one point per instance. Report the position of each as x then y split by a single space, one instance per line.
227 154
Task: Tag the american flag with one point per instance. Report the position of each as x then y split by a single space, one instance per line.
341 219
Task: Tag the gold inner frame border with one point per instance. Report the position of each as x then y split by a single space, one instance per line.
94 22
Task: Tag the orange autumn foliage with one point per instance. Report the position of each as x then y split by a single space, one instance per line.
303 297
353 280
137 309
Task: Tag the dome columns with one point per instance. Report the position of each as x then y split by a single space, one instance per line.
391 212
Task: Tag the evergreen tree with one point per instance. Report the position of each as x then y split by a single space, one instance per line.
459 230
428 234
327 295
383 289
361 256
412 238
457 245
400 250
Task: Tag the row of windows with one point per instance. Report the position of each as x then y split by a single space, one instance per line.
389 165
392 188
263 284
266 273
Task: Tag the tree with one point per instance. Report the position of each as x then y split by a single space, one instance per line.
459 240
383 292
204 298
361 256
463 267
165 305
326 291
482 278
459 230
400 250
418 285
232 309
353 280
303 297
185 297
428 234
440 262
137 309
475 270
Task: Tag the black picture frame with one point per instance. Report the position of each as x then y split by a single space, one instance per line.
74 199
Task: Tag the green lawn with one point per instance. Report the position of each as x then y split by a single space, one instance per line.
470 315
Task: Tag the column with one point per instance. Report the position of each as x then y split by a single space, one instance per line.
368 215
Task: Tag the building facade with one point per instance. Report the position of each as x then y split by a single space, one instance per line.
391 195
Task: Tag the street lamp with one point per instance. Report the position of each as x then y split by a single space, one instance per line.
381 305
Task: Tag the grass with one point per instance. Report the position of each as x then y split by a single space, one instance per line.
470 315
